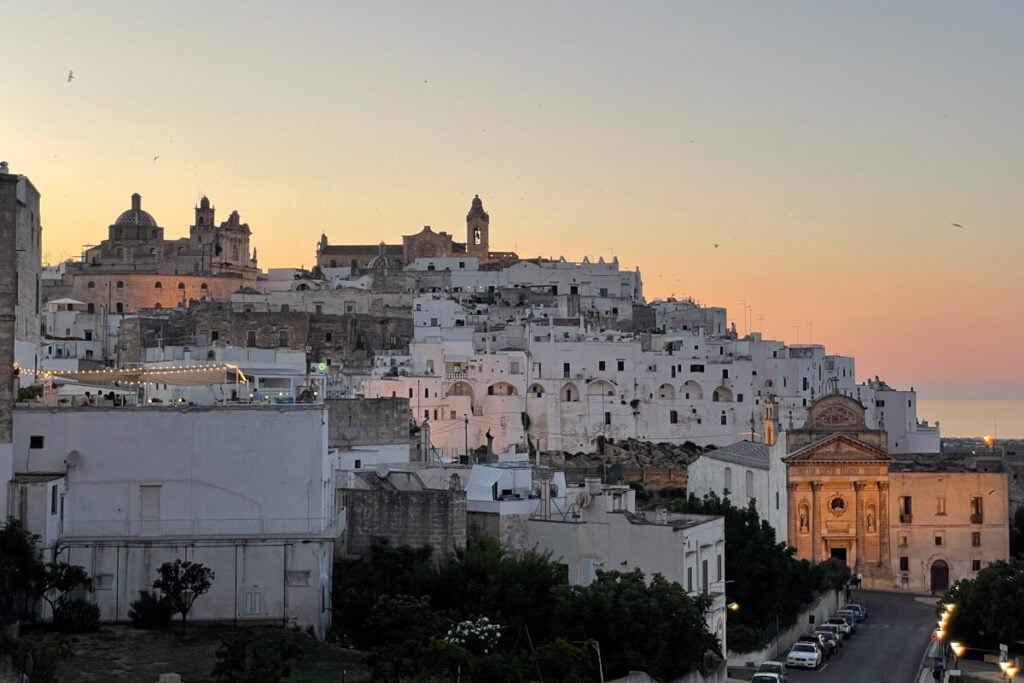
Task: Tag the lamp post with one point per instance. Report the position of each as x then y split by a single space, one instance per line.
597 648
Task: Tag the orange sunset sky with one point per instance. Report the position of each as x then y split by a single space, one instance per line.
825 147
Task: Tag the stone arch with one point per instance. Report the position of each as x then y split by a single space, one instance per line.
203 286
600 387
722 394
158 285
460 388
939 582
502 389
667 391
181 285
693 391
569 393
535 390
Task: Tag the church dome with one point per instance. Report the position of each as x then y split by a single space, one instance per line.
135 215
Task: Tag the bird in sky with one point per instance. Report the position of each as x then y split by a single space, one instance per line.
956 225
71 75
716 246
155 158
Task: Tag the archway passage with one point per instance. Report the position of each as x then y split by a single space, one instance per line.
940 577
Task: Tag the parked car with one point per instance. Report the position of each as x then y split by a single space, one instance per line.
861 610
833 628
816 639
773 667
845 626
807 655
766 678
832 639
850 616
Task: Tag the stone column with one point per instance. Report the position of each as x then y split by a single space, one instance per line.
791 529
815 520
884 561
858 491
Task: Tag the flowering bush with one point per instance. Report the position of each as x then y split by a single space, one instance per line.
478 635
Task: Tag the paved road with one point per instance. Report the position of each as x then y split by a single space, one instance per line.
887 648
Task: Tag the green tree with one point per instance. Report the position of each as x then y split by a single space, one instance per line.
988 607
21 570
182 582
632 621
240 659
62 578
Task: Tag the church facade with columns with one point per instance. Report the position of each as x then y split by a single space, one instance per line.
916 524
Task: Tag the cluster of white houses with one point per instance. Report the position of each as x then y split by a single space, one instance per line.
539 355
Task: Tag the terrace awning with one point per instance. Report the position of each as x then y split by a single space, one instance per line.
182 376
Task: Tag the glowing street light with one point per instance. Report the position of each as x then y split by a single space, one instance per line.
733 606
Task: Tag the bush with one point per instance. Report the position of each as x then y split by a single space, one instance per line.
150 611
76 616
743 638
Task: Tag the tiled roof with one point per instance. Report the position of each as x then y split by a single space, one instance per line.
744 453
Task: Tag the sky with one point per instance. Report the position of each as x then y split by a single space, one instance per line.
800 163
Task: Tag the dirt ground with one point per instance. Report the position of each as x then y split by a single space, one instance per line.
121 653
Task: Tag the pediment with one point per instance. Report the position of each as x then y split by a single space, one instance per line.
835 412
838 448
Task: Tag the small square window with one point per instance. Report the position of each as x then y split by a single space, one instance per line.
975 565
976 539
938 540
35 441
358 464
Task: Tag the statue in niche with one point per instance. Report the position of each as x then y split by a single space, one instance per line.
871 519
804 525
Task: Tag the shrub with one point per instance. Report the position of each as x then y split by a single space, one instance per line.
76 616
150 611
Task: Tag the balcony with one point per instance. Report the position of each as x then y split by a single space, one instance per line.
906 518
977 518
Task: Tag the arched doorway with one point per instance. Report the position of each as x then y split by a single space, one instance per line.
940 577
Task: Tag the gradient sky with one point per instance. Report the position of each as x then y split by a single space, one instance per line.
825 146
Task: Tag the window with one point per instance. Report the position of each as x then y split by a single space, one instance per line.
328 337
975 565
906 509
120 284
35 441
725 374
880 403
976 510
902 540
975 539
88 335
203 286
704 576
750 483
696 368
940 506
514 367
91 285
776 500
938 539
90 308
673 417
181 285
53 499
739 398
282 338
566 371
904 563
215 335
728 479
120 308
718 567
157 285
410 392
621 365
607 418
250 338
723 419
601 365
689 579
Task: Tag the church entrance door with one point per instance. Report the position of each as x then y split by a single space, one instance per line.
940 577
839 554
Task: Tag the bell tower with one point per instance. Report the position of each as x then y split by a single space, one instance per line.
477 228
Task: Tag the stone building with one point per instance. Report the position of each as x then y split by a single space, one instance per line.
332 339
425 244
19 218
136 267
848 499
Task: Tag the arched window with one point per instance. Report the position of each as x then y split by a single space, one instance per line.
181 285
158 305
234 252
91 285
750 484
728 481
120 284
203 286
157 285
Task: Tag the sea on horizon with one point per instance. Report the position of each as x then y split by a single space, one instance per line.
968 418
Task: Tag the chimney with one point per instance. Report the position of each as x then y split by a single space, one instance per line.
3 168
136 202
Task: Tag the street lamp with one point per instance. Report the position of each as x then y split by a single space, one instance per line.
597 648
733 606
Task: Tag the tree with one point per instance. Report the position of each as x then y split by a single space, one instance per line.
21 570
182 582
988 607
62 578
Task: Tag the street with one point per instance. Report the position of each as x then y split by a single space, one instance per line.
887 648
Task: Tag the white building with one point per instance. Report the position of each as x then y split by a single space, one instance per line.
248 491
738 472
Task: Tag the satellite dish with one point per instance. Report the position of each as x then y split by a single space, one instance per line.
615 472
73 458
383 471
349 433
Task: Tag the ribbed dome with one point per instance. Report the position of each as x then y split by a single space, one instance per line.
135 215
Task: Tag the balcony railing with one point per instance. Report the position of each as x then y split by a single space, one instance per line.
906 518
160 528
977 518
